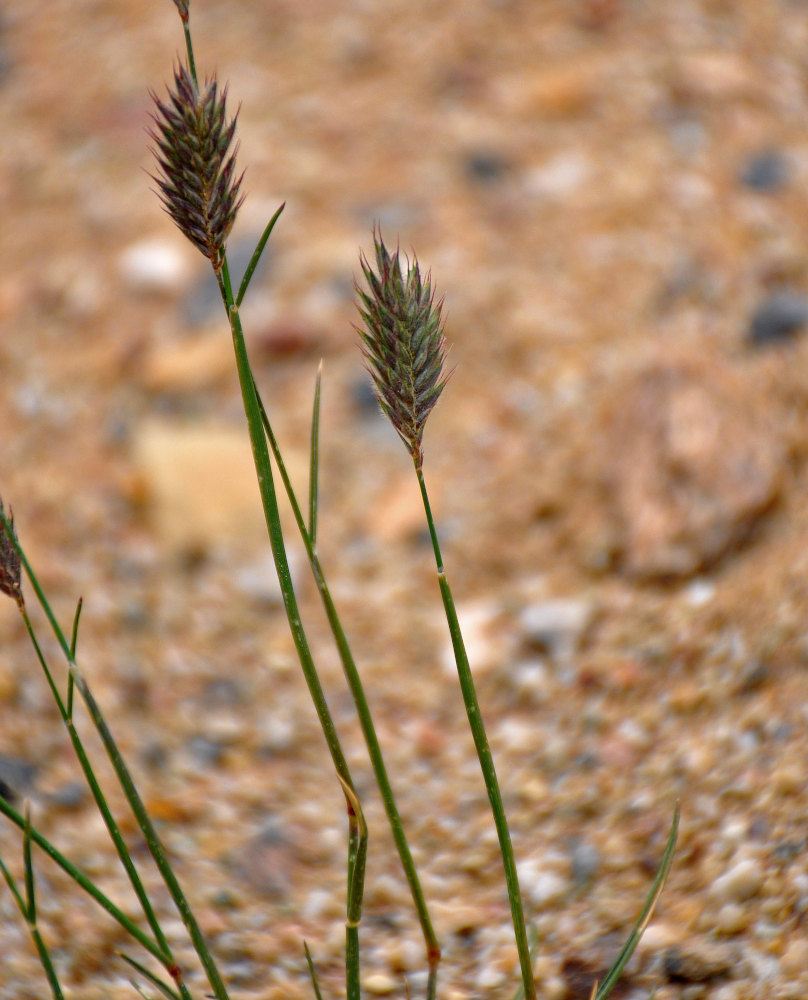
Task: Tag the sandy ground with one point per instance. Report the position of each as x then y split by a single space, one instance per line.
611 198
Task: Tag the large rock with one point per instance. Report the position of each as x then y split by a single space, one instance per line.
690 463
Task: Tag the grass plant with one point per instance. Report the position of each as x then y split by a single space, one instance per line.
401 331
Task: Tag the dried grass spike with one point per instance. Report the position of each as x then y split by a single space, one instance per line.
10 570
193 145
402 342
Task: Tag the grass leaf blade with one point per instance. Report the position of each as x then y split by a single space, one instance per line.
313 973
259 249
645 913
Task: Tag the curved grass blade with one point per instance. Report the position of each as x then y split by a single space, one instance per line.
259 249
645 913
313 973
74 638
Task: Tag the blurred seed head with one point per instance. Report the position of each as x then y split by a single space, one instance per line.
182 7
193 145
10 572
402 342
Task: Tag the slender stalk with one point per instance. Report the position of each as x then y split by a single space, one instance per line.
266 485
483 749
365 718
357 859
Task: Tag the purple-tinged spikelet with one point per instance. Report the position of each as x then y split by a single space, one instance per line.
402 342
10 571
197 180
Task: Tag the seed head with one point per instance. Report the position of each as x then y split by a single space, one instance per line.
402 342
10 573
197 169
182 7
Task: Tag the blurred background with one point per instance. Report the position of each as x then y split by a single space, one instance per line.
610 195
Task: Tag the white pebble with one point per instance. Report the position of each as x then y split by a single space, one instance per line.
741 882
545 888
380 984
557 626
153 265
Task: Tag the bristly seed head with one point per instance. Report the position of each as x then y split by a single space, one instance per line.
197 181
402 342
10 572
182 7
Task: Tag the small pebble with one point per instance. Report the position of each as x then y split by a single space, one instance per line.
71 795
545 888
778 318
380 984
258 581
205 752
732 918
765 171
153 266
585 862
404 954
16 776
694 962
485 167
741 882
556 626
794 960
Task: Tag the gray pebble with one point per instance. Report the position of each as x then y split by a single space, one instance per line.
778 318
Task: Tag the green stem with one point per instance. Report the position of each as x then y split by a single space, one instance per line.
269 501
189 47
357 859
365 719
483 750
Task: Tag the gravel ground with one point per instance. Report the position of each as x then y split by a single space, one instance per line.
611 197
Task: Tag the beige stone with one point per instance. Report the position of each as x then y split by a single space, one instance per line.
200 486
690 464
